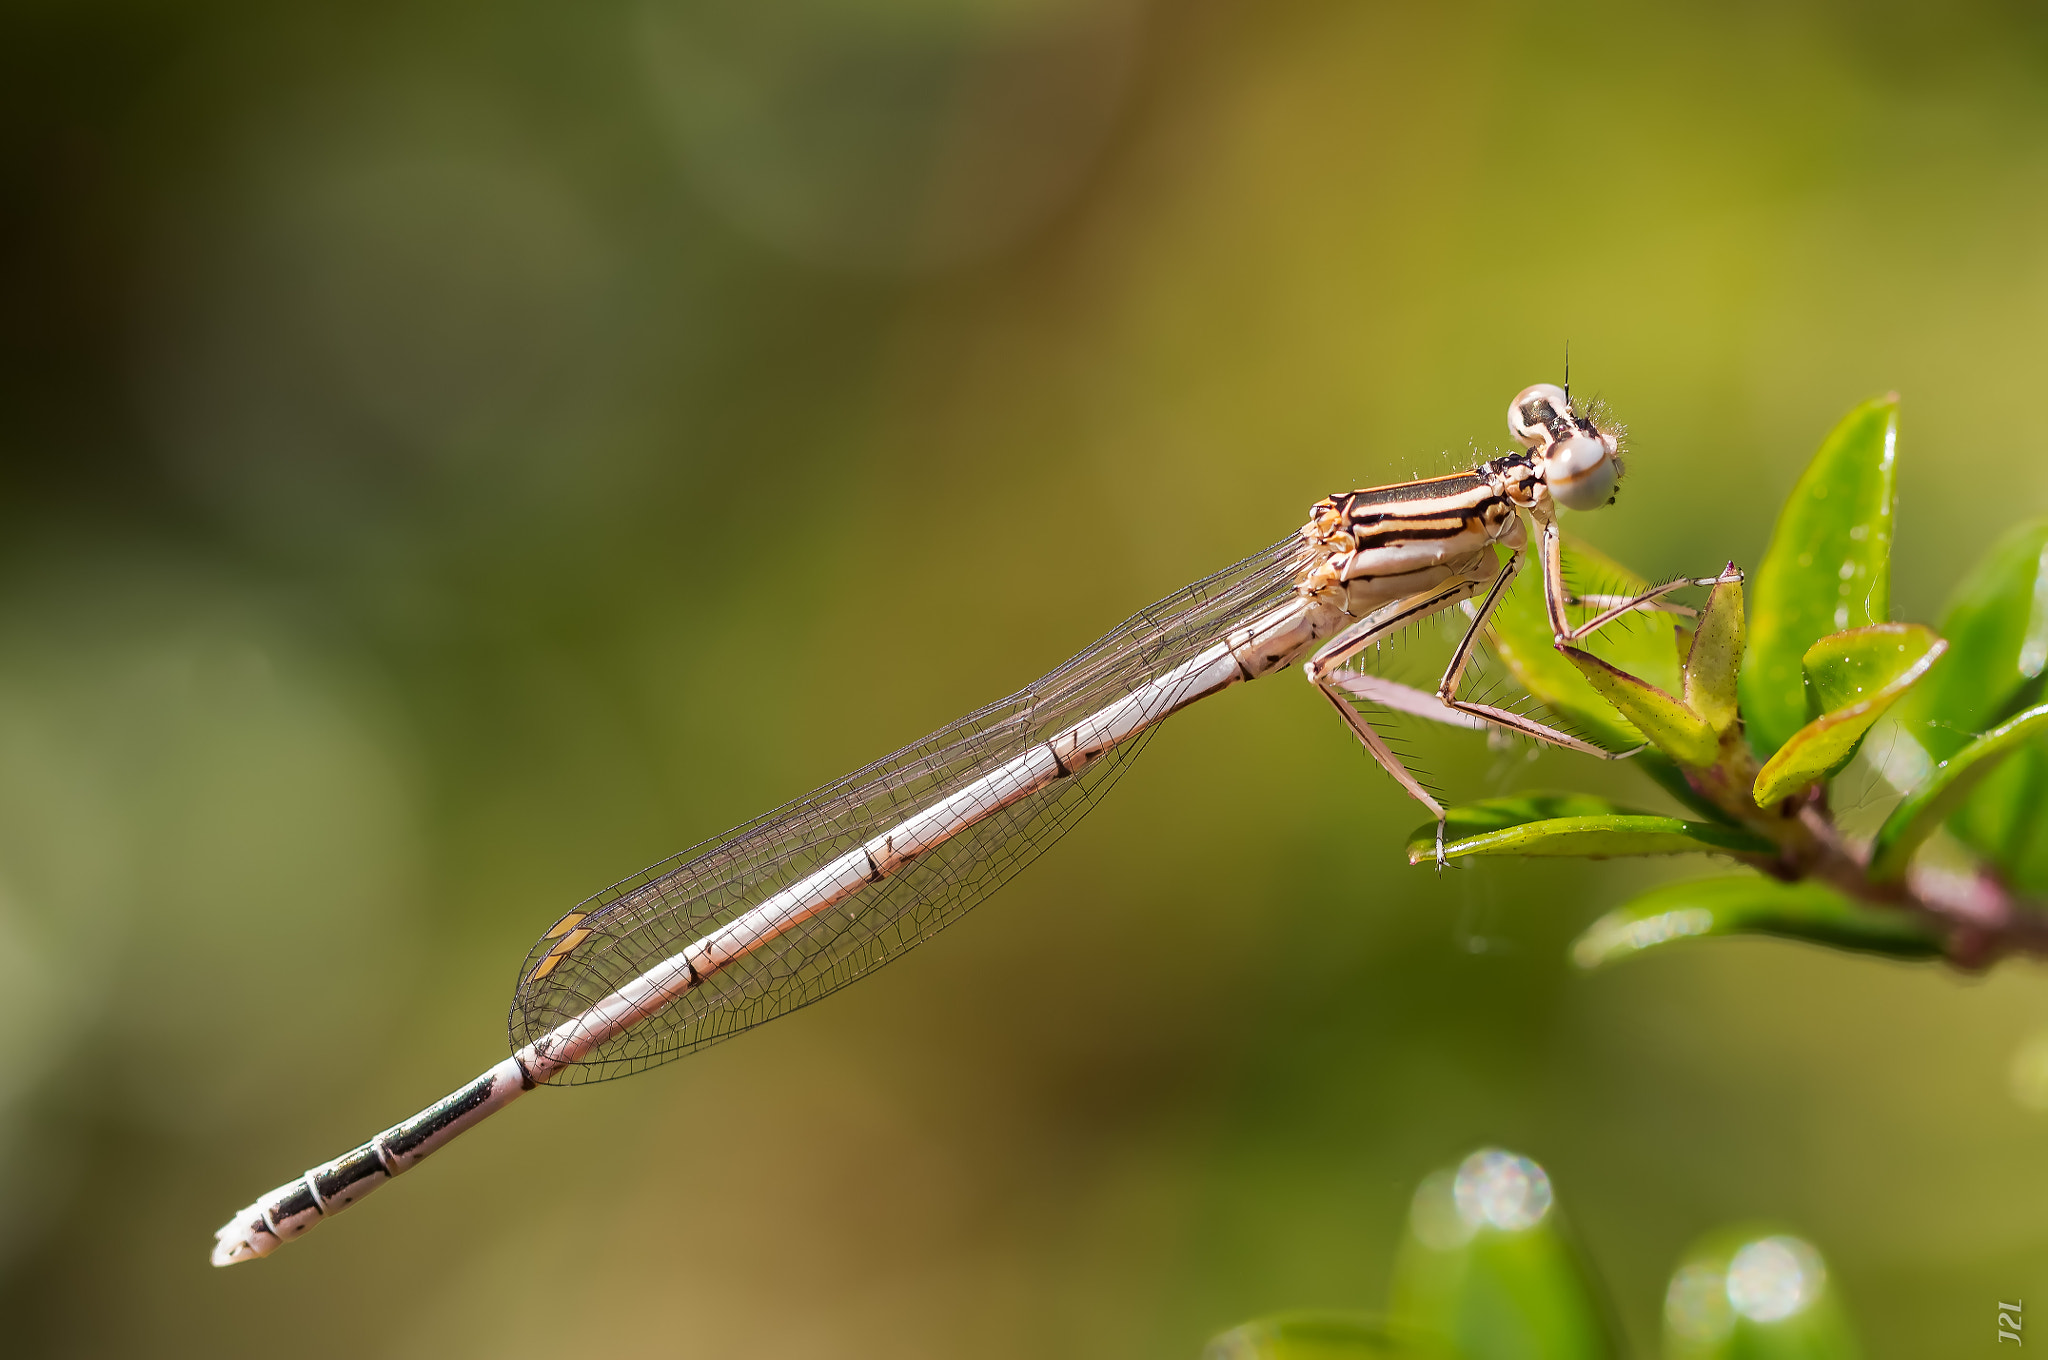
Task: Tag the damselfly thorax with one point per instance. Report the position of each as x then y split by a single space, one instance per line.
795 904
1386 543
1374 547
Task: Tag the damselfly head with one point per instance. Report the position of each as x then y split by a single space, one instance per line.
1578 458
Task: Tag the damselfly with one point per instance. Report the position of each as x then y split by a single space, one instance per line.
801 901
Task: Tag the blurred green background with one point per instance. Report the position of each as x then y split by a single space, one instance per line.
456 455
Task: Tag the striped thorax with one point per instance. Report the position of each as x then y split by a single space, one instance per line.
1391 542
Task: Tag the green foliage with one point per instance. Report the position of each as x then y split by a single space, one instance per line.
1488 1269
1828 567
1752 905
2003 819
1946 790
1998 620
1772 700
1488 1266
1754 1293
1851 679
1666 722
1572 824
1520 632
1713 664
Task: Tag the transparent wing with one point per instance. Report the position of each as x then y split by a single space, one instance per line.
627 929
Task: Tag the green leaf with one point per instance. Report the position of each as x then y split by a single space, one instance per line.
1997 626
1573 824
1851 679
1669 725
1929 805
1754 1293
2006 819
1488 1266
1714 659
1828 567
1752 905
1645 644
1664 772
1322 1336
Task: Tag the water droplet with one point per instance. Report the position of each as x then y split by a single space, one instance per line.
1771 1279
1498 1189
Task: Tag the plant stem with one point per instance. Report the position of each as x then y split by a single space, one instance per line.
1979 916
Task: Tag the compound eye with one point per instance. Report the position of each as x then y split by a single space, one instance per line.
1580 472
1539 414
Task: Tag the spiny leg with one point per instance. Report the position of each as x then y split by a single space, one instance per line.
1368 630
1556 597
1376 746
1684 611
1420 703
1322 673
1454 674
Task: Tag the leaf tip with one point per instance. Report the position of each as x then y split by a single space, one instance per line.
1619 934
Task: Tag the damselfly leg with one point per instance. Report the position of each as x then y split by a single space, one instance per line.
1556 597
1322 672
1339 686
